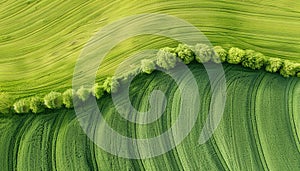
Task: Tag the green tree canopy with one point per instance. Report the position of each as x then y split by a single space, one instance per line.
53 100
220 54
235 55
203 53
166 59
185 53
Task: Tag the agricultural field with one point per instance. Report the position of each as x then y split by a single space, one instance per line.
40 44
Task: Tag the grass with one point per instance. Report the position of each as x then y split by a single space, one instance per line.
260 116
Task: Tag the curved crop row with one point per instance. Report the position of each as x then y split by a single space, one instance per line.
166 58
252 126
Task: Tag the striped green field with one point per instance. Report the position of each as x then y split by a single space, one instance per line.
258 131
41 40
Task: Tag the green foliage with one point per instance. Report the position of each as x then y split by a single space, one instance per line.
68 98
185 53
274 64
53 100
98 90
22 106
289 69
124 78
166 59
83 93
235 55
253 60
111 85
147 66
203 53
37 104
220 54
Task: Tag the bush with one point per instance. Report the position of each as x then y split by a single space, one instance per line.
235 55
147 66
203 53
289 69
36 104
22 106
253 60
220 54
111 85
98 90
185 53
53 100
68 98
166 59
83 93
274 64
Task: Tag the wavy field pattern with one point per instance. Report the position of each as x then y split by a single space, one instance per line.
40 40
256 132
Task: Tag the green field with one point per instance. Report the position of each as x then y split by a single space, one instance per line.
41 40
261 134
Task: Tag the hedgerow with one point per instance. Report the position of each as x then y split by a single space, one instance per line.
203 53
166 58
111 85
147 66
274 64
220 54
22 106
98 90
37 104
289 68
253 59
235 55
185 53
68 98
53 100
83 93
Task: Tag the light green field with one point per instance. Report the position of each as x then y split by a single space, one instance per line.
40 41
258 130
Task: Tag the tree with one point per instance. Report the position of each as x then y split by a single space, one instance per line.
111 85
185 53
220 54
166 59
235 55
274 64
147 66
98 90
253 60
289 68
203 53
53 100
83 93
22 106
68 98
36 104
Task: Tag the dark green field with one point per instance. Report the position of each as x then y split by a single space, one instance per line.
258 131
